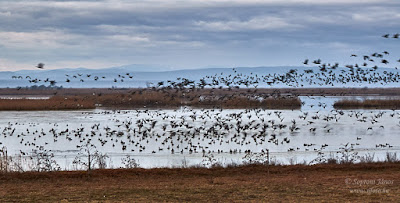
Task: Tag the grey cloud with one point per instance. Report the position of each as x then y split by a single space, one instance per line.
118 29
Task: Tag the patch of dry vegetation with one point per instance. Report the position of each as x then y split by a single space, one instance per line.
148 98
368 104
243 102
54 103
283 98
316 183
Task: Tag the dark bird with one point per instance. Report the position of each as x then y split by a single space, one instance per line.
40 65
318 61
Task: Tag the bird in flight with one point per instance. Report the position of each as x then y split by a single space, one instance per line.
40 65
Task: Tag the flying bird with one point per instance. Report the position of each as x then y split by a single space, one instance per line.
40 65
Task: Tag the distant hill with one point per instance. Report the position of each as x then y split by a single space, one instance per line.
143 76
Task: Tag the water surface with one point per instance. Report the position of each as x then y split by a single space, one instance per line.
172 138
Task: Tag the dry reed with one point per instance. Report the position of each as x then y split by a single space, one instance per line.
54 103
146 98
368 104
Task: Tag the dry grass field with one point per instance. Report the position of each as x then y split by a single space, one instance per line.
374 182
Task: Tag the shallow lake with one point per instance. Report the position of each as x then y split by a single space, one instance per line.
175 138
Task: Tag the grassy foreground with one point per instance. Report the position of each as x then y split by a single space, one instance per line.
374 182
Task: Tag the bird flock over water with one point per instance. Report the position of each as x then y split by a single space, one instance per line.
204 131
201 131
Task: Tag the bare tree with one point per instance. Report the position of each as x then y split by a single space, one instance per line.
44 160
90 157
130 162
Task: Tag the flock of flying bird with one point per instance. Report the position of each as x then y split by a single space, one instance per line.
214 130
329 74
77 77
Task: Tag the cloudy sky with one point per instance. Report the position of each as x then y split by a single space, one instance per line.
192 33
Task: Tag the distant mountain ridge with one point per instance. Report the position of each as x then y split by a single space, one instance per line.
144 75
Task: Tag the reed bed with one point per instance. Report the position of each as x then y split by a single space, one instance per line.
242 102
180 98
54 103
138 99
368 104
147 98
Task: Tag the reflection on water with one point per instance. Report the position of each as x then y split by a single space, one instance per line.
165 138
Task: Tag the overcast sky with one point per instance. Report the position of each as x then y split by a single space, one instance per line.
192 33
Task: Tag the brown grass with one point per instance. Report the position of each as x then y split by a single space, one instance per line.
54 103
298 183
156 99
147 98
171 98
242 102
368 104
